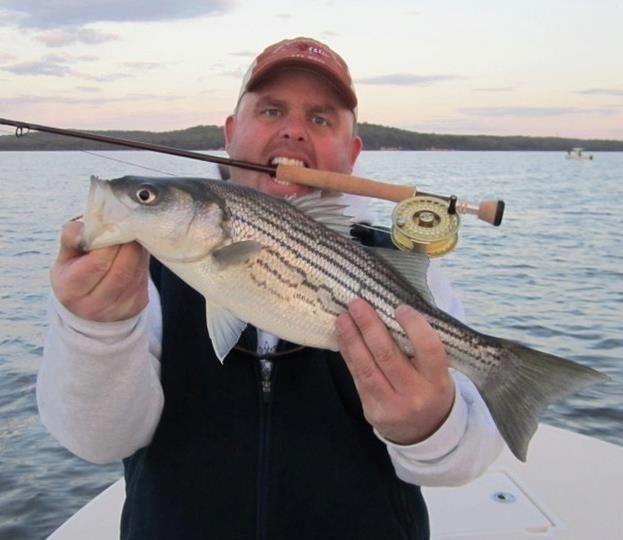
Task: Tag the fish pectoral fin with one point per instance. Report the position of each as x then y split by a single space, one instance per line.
236 253
224 329
411 265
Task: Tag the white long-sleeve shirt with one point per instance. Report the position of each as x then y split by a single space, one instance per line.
99 395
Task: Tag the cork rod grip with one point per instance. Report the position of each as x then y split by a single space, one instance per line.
489 211
344 183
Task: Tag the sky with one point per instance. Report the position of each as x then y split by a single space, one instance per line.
535 67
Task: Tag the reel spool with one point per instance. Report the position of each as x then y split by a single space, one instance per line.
423 223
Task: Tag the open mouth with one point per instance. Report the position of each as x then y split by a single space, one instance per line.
281 160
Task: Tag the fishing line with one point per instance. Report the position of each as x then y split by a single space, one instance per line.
420 222
124 162
365 225
111 158
128 163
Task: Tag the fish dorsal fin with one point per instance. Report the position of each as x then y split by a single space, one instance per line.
410 265
236 253
224 329
326 210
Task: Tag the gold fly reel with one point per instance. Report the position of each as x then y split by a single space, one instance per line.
422 223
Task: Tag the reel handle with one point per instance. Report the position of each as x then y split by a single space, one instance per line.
489 211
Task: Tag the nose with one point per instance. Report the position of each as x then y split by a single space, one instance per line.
294 129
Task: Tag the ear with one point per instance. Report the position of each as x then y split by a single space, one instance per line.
228 129
356 145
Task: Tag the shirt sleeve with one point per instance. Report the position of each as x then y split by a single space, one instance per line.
468 441
98 386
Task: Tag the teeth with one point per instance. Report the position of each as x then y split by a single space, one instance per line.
280 160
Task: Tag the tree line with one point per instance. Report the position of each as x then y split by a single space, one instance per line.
375 137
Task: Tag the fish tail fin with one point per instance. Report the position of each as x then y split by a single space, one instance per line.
530 381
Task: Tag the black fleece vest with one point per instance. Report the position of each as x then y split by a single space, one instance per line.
231 461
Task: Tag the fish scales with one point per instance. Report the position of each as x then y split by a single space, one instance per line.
317 250
242 249
277 223
331 264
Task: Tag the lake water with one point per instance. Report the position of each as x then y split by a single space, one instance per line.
551 276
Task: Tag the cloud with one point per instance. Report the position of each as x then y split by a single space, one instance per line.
528 112
35 100
104 77
38 68
244 53
67 36
54 65
9 18
66 13
601 91
142 66
496 89
59 65
407 79
237 73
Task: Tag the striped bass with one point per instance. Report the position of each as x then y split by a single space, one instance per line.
290 268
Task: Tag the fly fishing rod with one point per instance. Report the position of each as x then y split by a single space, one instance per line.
420 222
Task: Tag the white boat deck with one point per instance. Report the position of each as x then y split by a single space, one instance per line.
569 489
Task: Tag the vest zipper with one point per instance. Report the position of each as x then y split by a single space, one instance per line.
266 370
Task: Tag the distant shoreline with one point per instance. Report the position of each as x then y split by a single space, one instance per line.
375 137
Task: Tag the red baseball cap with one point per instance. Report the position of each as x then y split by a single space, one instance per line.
304 53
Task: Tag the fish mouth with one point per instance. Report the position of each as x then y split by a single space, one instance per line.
103 217
283 160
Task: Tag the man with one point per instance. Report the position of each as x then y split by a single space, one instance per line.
280 441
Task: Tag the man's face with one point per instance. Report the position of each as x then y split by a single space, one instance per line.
295 115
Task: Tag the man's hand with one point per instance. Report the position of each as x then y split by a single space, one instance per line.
405 399
108 284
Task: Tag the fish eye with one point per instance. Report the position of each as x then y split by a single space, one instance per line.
146 194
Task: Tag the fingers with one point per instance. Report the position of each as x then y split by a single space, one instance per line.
126 271
103 284
429 354
71 234
373 349
369 379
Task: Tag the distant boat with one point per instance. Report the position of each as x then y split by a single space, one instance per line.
577 154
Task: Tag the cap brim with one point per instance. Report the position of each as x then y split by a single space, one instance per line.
262 73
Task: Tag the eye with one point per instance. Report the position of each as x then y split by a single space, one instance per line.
146 194
320 120
271 112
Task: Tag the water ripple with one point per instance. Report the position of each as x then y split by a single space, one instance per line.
547 277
